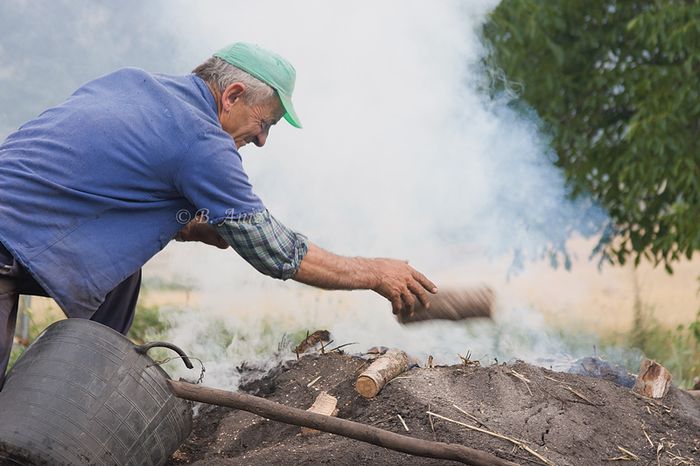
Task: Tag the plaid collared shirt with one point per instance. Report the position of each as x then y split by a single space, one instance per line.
266 244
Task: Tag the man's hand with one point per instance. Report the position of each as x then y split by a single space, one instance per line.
401 284
198 230
397 281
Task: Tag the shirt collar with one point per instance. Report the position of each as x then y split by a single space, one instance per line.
206 93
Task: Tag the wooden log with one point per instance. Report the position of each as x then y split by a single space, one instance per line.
381 371
355 430
312 340
325 405
452 305
377 350
653 380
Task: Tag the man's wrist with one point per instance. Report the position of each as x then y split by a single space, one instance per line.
366 273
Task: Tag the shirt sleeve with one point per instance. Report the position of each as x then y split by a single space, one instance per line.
211 177
266 244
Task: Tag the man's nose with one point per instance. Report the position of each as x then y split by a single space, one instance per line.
260 139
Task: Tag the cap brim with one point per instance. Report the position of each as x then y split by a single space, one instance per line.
290 115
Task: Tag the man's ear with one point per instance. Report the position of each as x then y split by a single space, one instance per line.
231 94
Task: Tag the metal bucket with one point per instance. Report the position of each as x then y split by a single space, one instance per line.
84 394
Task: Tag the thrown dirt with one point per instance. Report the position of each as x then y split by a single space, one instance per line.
568 419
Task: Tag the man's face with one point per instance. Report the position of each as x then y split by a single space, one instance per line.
246 122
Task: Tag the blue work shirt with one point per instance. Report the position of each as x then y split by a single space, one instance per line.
93 188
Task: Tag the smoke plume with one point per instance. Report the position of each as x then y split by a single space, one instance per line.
402 155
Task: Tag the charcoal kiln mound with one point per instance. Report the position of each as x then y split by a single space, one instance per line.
566 419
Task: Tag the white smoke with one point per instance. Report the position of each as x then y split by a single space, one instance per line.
401 155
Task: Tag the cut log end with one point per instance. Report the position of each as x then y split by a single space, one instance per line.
653 381
366 387
380 372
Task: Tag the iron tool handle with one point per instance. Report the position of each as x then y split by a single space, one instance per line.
143 349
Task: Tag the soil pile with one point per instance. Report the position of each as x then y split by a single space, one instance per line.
568 419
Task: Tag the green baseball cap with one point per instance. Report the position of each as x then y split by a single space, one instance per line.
269 68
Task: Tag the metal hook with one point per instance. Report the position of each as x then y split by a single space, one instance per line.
143 349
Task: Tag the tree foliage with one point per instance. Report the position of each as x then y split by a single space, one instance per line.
617 85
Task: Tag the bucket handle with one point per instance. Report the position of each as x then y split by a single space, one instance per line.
143 349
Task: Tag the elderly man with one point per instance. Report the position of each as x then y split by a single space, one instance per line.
93 188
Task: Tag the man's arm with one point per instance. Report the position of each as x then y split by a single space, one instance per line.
394 279
279 252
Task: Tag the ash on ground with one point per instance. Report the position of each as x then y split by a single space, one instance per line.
568 419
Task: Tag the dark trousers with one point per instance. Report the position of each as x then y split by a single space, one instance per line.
116 312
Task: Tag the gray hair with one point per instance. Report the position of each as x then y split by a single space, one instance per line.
222 74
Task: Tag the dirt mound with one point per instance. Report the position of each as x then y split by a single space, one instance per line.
567 419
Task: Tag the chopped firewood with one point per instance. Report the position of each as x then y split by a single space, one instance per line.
452 305
380 372
653 380
377 350
324 404
312 340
